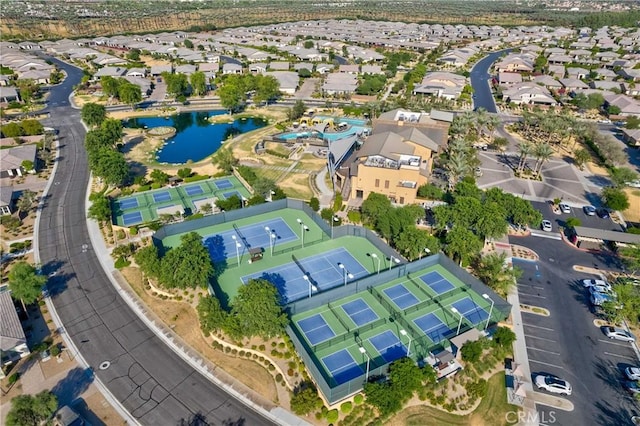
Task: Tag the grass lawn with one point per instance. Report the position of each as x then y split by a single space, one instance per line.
491 411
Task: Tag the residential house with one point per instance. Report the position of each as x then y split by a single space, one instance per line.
279 66
559 59
115 72
136 72
528 93
339 84
258 68
515 63
547 81
628 106
12 159
573 84
397 157
349 69
606 85
231 68
371 69
288 80
630 74
605 73
509 78
9 94
39 76
631 136
157 70
6 200
441 84
13 342
303 65
5 80
186 69
556 71
324 68
630 89
143 83
577 72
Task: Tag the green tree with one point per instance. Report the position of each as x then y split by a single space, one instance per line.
134 55
188 43
494 271
184 173
615 199
176 83
471 351
12 130
212 316
95 140
32 410
225 160
93 114
375 206
613 110
257 311
305 399
263 186
491 222
187 266
129 94
100 208
112 130
621 175
231 95
25 201
581 157
631 256
32 127
110 166
25 283
633 122
412 243
504 337
572 222
198 83
109 86
232 203
148 260
380 396
158 176
462 244
430 192
267 88
314 203
298 110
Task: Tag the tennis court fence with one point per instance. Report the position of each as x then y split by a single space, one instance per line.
337 315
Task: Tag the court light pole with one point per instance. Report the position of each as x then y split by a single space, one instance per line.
333 219
404 333
393 260
303 228
426 250
486 296
455 311
346 274
375 256
272 241
311 286
363 351
238 252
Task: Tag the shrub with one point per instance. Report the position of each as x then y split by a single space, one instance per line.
120 234
278 377
55 350
272 367
195 178
261 348
430 192
133 230
477 389
276 153
346 407
156 185
14 378
241 353
358 399
332 416
121 263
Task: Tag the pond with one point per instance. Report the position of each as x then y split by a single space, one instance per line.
196 138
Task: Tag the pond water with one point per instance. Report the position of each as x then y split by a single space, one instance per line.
196 138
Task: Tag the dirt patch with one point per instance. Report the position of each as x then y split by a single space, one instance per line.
182 318
150 61
632 214
297 185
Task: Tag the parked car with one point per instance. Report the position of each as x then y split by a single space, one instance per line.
602 213
618 333
632 373
633 387
564 208
602 289
547 226
590 283
599 298
589 210
633 183
477 172
553 384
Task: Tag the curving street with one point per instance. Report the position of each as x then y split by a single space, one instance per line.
150 380
482 97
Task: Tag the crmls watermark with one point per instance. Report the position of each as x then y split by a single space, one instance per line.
534 418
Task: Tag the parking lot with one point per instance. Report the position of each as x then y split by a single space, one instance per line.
576 211
567 343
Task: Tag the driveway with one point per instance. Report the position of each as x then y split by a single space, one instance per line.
306 90
567 343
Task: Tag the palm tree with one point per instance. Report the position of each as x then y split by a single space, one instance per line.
457 165
542 153
524 149
25 201
491 124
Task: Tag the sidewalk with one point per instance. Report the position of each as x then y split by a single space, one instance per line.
327 194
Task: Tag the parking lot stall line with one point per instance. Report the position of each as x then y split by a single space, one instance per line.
543 350
541 338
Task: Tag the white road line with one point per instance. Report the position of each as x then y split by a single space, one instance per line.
541 338
537 287
621 356
545 363
542 350
613 343
531 295
549 235
537 326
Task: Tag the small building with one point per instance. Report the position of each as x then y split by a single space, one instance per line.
631 136
12 160
9 94
13 342
593 235
172 210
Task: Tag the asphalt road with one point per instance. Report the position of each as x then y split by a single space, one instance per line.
567 343
155 385
482 97
576 211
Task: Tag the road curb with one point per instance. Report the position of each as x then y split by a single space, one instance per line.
551 401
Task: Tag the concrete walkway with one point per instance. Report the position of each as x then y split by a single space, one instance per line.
326 194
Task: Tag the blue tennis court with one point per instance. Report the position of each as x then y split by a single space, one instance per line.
132 218
471 310
433 327
128 203
316 329
437 282
223 184
389 346
161 197
342 366
193 190
322 270
230 194
359 312
402 297
222 246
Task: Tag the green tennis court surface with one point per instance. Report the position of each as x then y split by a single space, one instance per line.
143 207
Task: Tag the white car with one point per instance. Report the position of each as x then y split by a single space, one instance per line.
589 210
547 226
589 283
602 289
618 334
553 384
632 373
564 208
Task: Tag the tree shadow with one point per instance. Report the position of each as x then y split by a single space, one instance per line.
80 406
73 385
603 371
57 283
613 415
131 143
137 168
196 419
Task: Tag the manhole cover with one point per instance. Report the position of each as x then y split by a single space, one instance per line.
551 259
104 365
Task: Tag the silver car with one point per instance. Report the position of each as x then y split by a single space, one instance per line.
553 384
547 226
564 208
618 334
589 210
632 373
